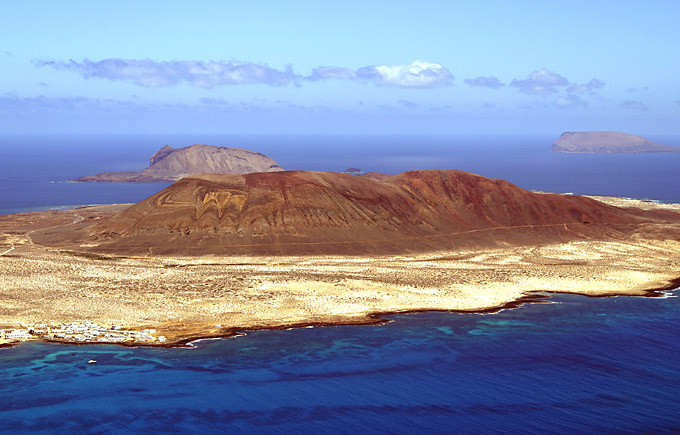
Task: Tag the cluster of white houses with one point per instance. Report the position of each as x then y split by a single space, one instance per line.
85 331
13 331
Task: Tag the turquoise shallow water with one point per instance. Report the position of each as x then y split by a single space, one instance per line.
579 365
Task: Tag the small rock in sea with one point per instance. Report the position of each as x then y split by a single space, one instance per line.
353 171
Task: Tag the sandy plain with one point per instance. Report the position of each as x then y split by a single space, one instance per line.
185 298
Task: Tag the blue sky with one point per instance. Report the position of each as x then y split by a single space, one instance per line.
340 67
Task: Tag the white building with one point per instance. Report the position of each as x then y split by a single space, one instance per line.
13 331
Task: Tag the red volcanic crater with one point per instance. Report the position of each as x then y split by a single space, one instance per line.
297 212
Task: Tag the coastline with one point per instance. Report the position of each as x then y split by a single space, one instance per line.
373 319
194 298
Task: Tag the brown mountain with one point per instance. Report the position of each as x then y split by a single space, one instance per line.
331 213
171 164
601 142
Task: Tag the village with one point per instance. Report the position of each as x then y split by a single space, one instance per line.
76 332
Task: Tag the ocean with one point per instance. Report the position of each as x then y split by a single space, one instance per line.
35 170
576 365
573 365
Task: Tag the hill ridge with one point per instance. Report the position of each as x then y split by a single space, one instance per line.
304 212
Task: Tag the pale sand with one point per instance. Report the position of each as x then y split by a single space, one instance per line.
629 202
188 296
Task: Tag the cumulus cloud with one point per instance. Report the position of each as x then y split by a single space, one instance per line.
633 105
570 101
586 87
487 82
152 74
419 74
541 82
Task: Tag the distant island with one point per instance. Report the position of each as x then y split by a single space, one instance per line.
353 171
607 142
171 164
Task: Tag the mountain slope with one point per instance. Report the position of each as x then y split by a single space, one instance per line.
330 213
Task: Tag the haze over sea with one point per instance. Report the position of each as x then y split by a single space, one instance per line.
578 365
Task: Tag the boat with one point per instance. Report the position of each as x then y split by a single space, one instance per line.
92 361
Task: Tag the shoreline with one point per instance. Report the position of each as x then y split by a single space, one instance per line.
371 319
189 298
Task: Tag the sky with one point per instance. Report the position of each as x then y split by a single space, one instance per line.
350 67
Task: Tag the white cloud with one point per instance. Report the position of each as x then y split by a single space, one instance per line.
419 74
541 82
154 74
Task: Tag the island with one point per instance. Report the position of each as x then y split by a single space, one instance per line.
171 164
353 171
217 255
605 142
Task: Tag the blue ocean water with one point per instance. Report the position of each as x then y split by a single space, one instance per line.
581 365
34 170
